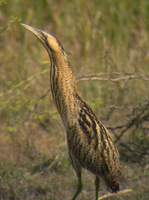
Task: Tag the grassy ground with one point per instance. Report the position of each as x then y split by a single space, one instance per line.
99 36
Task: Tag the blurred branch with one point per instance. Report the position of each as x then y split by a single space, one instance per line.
24 83
120 193
133 151
44 166
122 77
136 118
99 77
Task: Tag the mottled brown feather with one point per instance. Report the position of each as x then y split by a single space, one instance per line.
90 144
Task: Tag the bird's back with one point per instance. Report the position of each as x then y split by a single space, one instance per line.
91 144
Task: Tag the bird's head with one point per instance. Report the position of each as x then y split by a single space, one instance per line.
48 40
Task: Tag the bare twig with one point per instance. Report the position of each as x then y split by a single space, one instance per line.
99 77
122 192
122 77
136 118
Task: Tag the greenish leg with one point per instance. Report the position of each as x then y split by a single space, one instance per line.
79 186
97 183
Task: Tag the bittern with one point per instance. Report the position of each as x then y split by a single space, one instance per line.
90 144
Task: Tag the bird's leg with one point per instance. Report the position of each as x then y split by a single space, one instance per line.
79 186
77 167
97 183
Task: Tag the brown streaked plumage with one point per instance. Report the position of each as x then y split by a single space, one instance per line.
90 144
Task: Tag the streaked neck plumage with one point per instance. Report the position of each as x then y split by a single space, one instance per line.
63 85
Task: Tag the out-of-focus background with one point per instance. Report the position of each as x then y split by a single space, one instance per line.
108 46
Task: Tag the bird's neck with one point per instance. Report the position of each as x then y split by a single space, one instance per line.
63 86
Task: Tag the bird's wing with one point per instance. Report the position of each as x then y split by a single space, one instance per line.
91 141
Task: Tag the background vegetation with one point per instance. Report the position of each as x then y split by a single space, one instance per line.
108 46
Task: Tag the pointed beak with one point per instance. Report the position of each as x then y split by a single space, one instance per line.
37 32
48 40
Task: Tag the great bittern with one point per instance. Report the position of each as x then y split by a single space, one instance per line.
90 144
